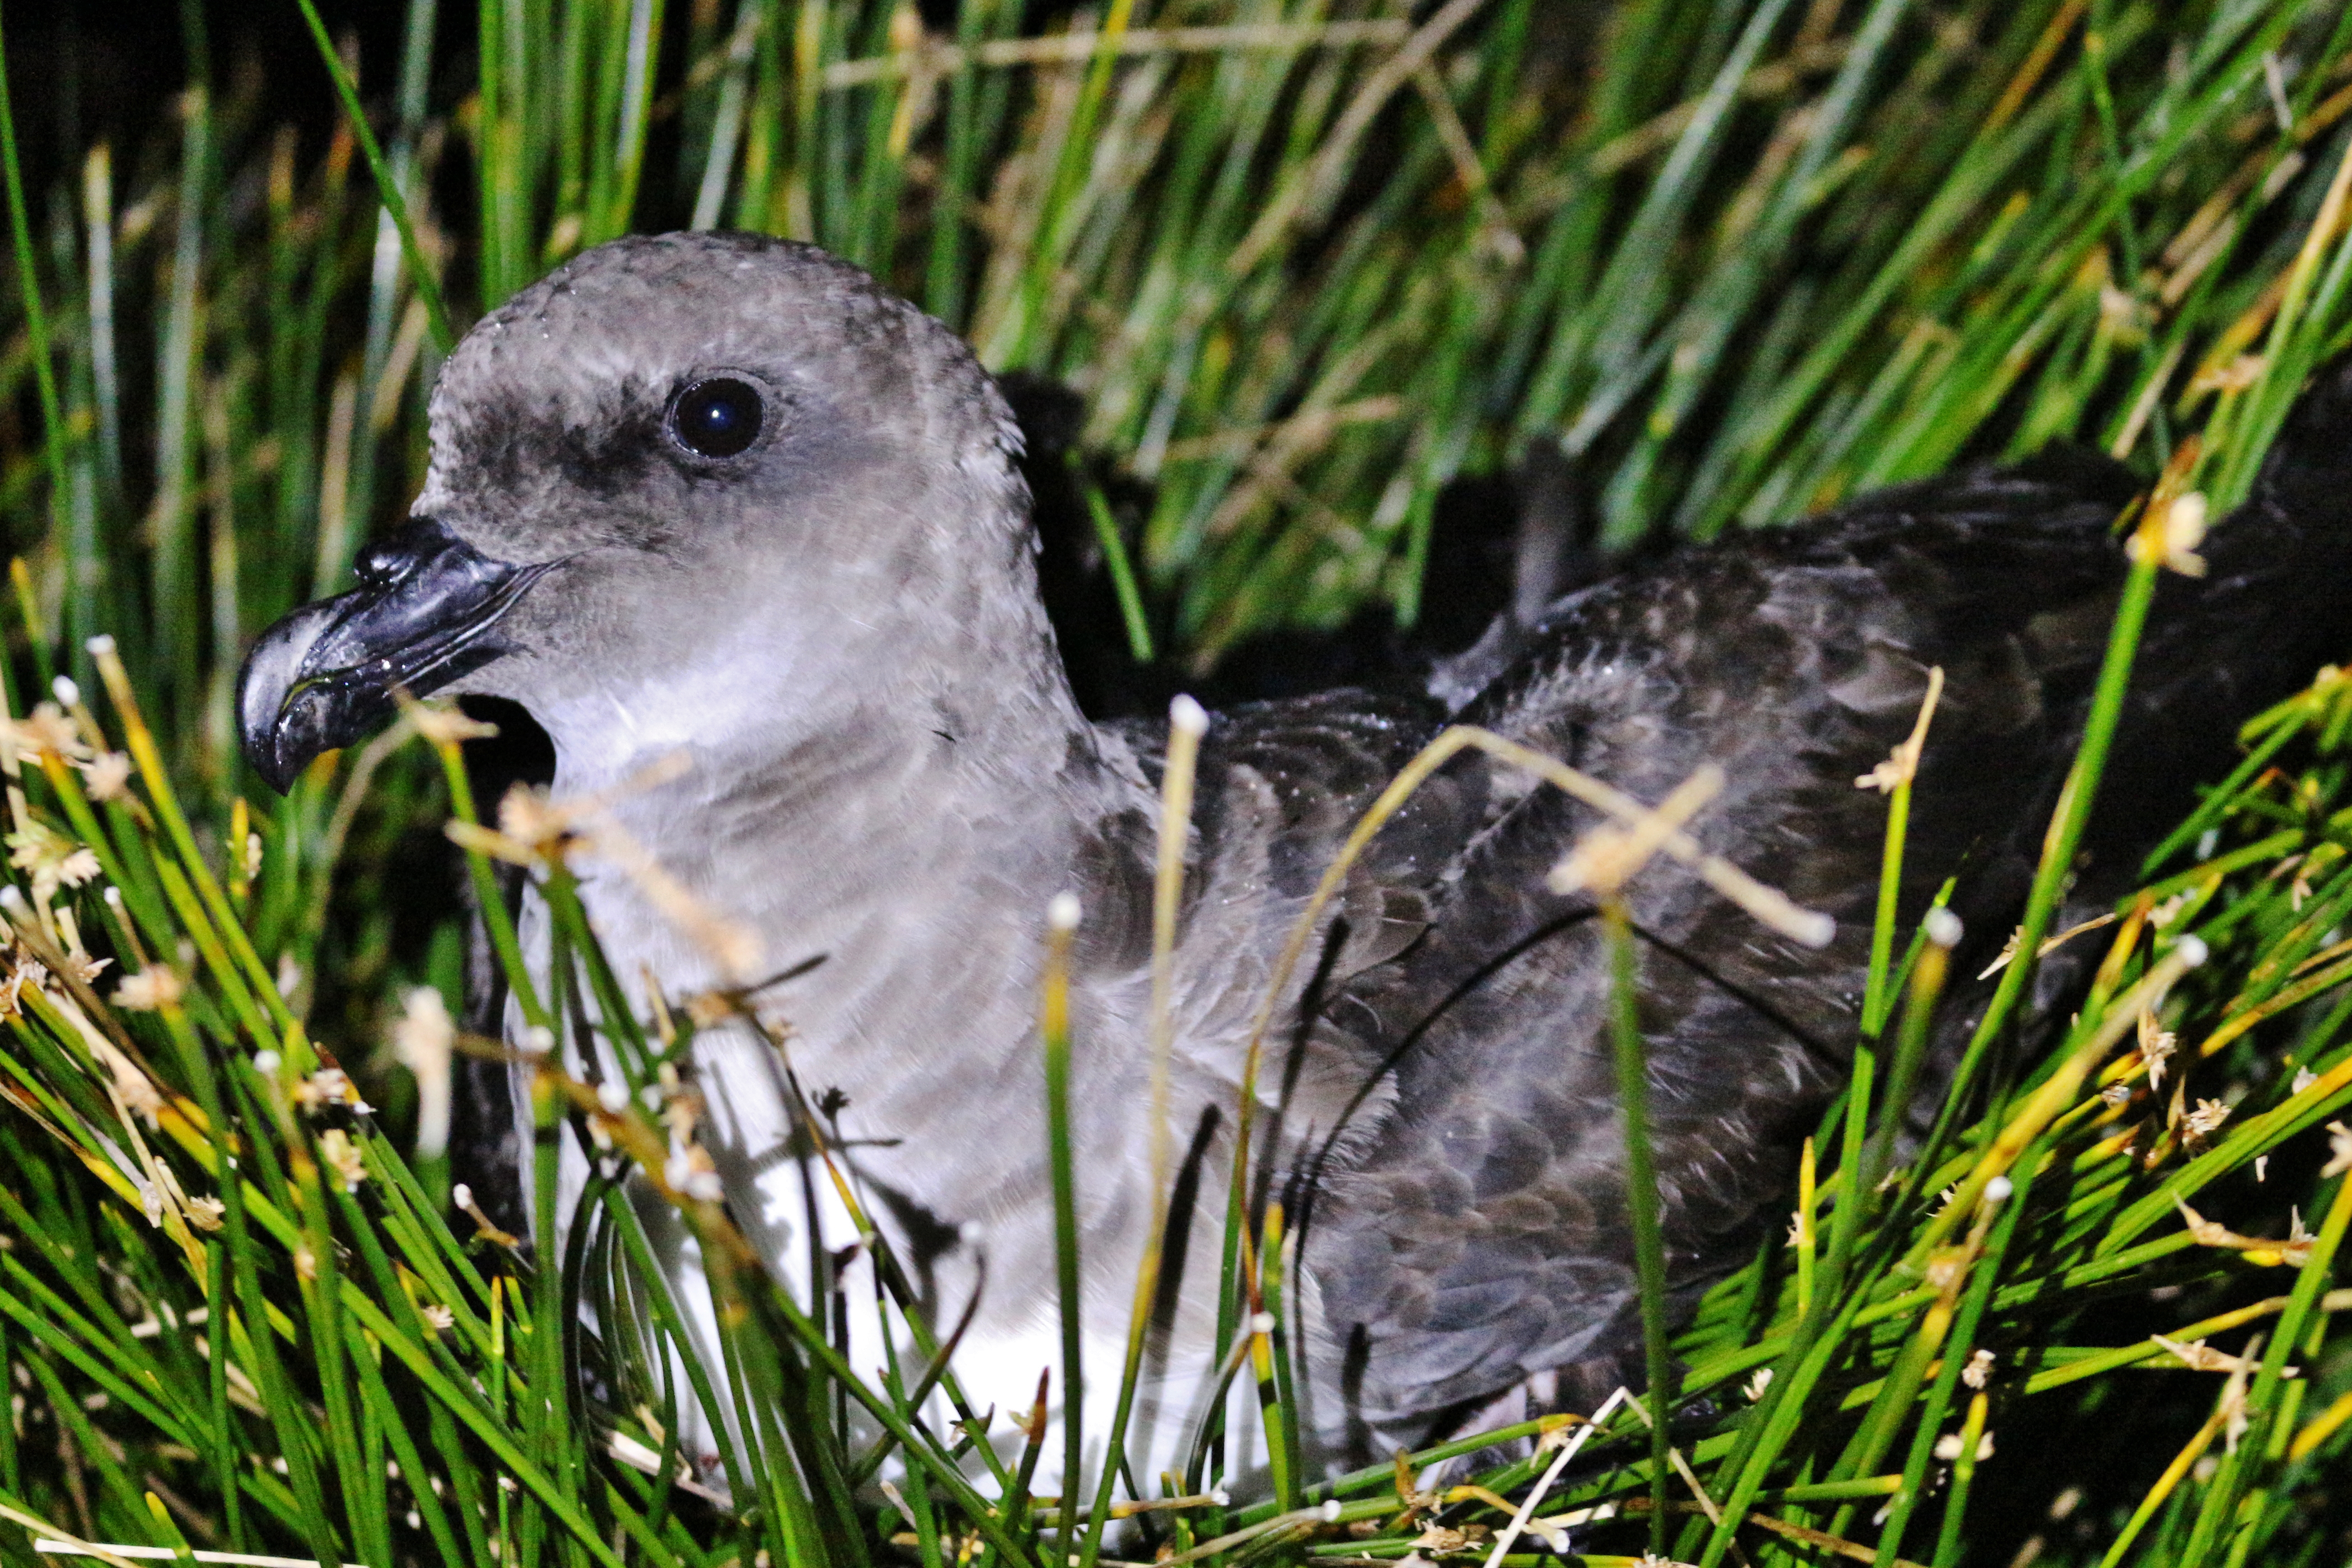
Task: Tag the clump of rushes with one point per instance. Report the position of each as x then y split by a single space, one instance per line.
1308 264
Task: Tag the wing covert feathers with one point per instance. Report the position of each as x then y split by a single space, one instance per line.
1469 1225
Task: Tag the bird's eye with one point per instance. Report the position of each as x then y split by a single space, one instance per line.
715 418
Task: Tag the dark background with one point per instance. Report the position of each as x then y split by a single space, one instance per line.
81 72
85 72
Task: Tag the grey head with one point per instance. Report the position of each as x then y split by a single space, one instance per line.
676 462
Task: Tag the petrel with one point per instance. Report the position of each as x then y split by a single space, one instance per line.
743 533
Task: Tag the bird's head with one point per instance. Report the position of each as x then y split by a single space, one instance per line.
680 473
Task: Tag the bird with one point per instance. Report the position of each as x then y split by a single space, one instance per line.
744 533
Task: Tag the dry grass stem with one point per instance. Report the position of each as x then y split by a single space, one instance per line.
1903 765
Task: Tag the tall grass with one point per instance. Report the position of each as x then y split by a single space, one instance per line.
1308 263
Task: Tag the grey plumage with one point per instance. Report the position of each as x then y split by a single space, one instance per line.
839 631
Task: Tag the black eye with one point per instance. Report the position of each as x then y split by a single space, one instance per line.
715 418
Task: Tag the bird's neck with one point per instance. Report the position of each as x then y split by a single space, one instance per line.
911 832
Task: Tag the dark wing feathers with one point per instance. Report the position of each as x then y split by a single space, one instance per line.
1281 784
1458 1145
1475 1236
1327 757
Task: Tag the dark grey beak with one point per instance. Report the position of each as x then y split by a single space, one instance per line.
424 613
